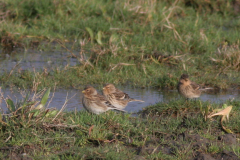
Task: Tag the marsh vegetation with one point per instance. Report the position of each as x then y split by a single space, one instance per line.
138 43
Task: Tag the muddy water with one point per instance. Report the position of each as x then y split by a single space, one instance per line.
150 96
37 60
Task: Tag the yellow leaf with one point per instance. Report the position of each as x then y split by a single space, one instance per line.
224 112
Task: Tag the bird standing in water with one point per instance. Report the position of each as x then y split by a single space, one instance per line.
187 88
116 97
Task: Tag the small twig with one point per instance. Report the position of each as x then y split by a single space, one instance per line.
120 64
64 105
60 125
13 69
10 136
23 107
155 149
144 68
52 96
67 49
8 148
73 44
2 97
90 130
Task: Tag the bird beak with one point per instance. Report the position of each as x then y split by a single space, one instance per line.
83 91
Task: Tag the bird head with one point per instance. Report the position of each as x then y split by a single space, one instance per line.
184 79
89 90
109 88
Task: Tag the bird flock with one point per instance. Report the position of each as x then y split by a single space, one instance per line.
115 99
112 99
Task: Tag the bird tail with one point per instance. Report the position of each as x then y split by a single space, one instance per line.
117 109
132 100
204 89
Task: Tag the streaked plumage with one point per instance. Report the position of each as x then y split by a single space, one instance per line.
94 102
116 97
187 88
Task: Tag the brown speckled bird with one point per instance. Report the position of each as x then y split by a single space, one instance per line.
116 97
94 102
187 88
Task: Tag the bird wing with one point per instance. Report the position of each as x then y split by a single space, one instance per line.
101 97
121 95
103 100
195 86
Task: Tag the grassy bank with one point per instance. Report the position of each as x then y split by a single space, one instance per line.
142 43
174 130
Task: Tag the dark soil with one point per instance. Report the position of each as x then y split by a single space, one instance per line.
193 145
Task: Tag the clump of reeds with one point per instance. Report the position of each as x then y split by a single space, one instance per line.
28 111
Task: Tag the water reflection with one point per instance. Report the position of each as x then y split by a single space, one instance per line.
150 96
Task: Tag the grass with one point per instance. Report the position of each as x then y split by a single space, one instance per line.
141 43
118 39
173 130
